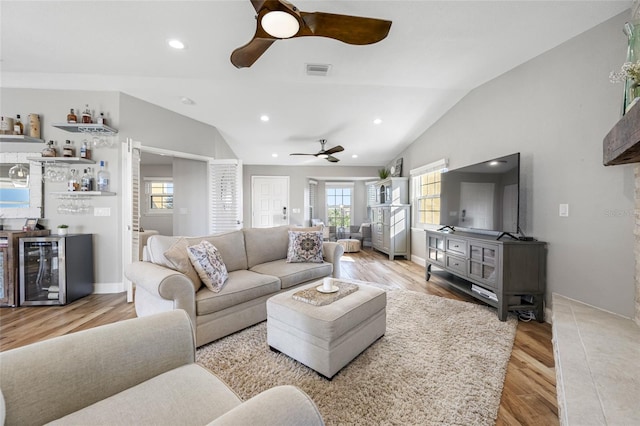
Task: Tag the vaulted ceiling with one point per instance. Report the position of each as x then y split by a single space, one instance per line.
436 52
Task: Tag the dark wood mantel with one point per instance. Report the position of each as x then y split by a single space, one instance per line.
622 143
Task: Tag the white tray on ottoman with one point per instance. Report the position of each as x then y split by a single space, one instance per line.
326 338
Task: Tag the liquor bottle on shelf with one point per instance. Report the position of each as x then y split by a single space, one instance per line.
86 115
73 183
34 126
85 151
86 181
50 150
71 117
6 126
102 119
103 178
68 150
18 127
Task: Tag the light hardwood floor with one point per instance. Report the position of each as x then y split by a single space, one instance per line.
528 398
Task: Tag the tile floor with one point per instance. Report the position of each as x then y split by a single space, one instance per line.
597 356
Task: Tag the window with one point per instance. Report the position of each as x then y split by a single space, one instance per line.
159 195
339 206
425 183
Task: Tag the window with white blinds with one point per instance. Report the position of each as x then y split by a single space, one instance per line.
225 196
313 197
135 203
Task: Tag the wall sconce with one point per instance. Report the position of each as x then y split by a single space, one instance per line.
19 175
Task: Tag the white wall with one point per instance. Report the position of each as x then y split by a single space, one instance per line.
555 110
53 106
298 182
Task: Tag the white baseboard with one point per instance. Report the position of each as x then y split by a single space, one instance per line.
420 261
108 288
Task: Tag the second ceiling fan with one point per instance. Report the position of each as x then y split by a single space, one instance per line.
326 154
279 19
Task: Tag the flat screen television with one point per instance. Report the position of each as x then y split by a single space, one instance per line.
483 196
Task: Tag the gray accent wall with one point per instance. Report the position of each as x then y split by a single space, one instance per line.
555 110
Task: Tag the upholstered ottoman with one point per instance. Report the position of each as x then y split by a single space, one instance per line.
350 245
326 338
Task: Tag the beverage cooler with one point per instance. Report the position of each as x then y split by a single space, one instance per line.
55 270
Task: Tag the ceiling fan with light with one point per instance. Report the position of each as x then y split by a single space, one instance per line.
279 19
325 154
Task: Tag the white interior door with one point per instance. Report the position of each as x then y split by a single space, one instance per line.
476 205
131 207
269 201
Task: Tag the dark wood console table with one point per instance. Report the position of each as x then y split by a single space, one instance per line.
9 264
508 269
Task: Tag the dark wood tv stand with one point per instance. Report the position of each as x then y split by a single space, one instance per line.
510 268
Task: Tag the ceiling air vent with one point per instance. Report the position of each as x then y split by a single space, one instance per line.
321 70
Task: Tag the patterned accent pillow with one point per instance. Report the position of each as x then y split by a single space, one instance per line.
305 247
208 263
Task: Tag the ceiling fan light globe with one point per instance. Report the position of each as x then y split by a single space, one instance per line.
280 24
323 156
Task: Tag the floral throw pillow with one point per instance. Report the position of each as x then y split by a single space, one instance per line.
305 247
207 261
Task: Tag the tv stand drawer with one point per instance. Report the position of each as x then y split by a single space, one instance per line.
456 246
456 264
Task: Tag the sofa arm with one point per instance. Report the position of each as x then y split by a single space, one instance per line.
163 283
47 380
281 405
332 252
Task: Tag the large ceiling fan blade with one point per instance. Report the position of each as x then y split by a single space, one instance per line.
333 150
348 29
332 159
246 55
297 153
258 4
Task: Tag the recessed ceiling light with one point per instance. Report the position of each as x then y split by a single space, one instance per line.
264 118
354 156
377 121
187 101
274 155
176 44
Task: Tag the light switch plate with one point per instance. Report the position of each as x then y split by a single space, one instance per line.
102 211
564 210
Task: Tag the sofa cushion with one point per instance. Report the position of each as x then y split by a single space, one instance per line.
292 274
241 287
231 247
305 247
177 257
207 261
162 401
266 244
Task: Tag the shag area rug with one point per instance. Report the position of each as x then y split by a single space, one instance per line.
441 362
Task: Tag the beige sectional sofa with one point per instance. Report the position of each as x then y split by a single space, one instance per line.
255 259
135 372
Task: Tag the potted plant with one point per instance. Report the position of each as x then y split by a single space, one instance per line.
63 229
383 173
